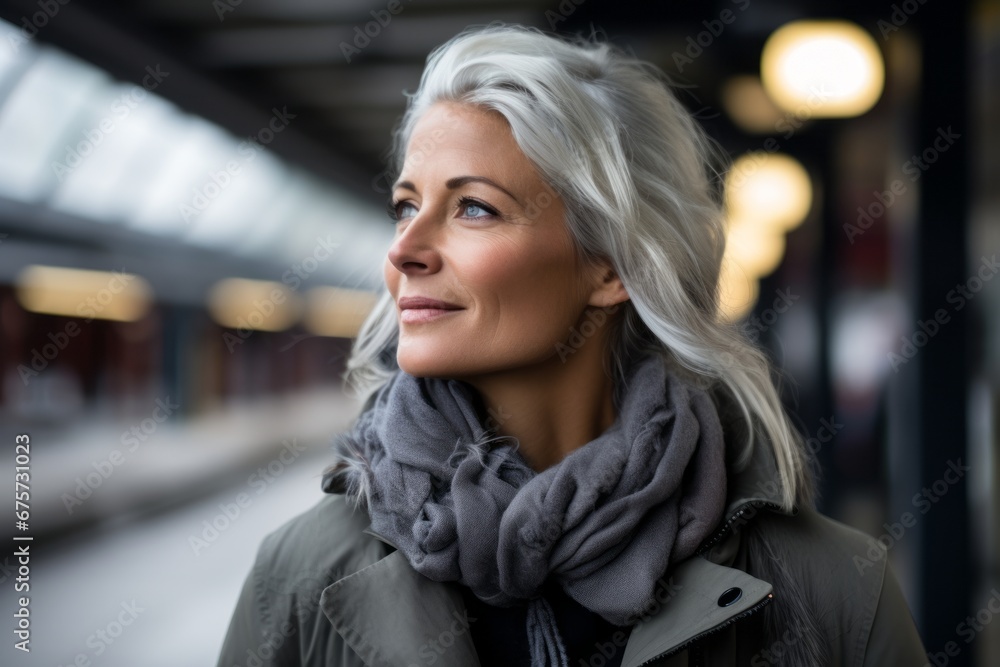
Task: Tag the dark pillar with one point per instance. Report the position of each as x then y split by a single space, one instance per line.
942 362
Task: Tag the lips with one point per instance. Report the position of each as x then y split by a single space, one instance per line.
416 309
421 302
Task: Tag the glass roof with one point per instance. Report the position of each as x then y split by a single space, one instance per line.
74 140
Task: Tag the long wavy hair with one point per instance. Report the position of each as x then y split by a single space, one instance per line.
641 182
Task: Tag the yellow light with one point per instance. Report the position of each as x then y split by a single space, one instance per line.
53 290
757 251
336 311
261 305
737 291
770 190
748 104
822 69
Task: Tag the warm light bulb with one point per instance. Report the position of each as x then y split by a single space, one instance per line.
261 305
770 191
103 295
822 69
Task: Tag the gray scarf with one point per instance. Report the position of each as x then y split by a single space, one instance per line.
606 521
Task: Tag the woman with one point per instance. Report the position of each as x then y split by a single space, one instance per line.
564 456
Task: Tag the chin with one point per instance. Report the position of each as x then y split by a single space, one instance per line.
437 363
420 366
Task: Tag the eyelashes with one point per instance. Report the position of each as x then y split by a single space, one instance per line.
393 207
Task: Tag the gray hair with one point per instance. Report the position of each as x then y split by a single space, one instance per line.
641 185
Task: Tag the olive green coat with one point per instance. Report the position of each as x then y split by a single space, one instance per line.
326 591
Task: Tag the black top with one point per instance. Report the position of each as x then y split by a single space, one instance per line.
501 638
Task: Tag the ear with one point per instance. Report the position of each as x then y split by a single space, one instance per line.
608 289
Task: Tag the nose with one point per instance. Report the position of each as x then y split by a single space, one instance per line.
415 249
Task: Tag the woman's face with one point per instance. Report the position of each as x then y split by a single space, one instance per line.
479 229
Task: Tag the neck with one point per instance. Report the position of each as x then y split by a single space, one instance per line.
551 408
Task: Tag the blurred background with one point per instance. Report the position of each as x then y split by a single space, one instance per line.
192 228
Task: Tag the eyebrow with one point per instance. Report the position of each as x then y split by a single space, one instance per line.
459 181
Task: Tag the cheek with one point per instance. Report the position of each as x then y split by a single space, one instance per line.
528 288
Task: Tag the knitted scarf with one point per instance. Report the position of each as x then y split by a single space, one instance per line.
606 521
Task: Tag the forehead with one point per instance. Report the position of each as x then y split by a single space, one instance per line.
465 138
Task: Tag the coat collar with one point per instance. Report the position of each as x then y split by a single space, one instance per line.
391 615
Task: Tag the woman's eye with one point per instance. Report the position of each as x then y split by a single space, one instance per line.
473 209
403 210
467 208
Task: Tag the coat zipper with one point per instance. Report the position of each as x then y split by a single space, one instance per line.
705 546
737 515
721 626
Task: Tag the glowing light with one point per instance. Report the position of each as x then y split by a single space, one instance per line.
748 104
757 251
823 69
53 290
737 291
261 305
336 311
770 190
